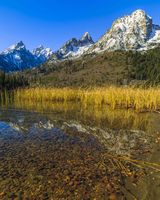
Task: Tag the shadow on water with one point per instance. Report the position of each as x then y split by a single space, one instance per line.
63 151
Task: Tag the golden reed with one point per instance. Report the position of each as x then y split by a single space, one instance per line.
116 97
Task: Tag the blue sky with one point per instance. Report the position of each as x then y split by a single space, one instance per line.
52 22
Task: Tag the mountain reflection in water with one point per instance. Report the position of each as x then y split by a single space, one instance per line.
62 151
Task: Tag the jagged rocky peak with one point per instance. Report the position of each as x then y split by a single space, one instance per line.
75 47
18 46
128 33
17 57
86 39
38 49
72 41
69 46
42 51
144 21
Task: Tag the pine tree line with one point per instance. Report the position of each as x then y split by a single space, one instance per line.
10 81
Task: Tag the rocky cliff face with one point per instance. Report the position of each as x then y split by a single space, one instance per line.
131 32
75 47
17 57
42 54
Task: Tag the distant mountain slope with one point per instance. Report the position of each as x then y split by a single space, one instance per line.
92 70
17 57
106 68
135 32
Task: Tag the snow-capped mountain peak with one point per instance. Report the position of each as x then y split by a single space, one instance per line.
41 51
16 47
17 57
86 39
74 47
140 14
135 32
85 35
131 32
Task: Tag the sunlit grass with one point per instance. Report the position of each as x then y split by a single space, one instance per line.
119 118
116 97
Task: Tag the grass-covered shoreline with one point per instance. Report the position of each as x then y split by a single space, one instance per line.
138 99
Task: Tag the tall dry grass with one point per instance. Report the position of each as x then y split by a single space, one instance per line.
116 97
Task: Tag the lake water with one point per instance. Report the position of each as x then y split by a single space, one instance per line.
63 151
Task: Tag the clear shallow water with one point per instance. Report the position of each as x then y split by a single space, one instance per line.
64 152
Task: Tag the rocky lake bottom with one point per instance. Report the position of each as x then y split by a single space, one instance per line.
66 153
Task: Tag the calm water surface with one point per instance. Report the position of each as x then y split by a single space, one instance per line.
62 151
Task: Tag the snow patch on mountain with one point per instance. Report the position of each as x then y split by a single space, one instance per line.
75 47
135 32
132 32
17 57
16 47
42 53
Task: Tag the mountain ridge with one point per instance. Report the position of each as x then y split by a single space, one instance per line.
131 32
75 47
135 32
17 57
